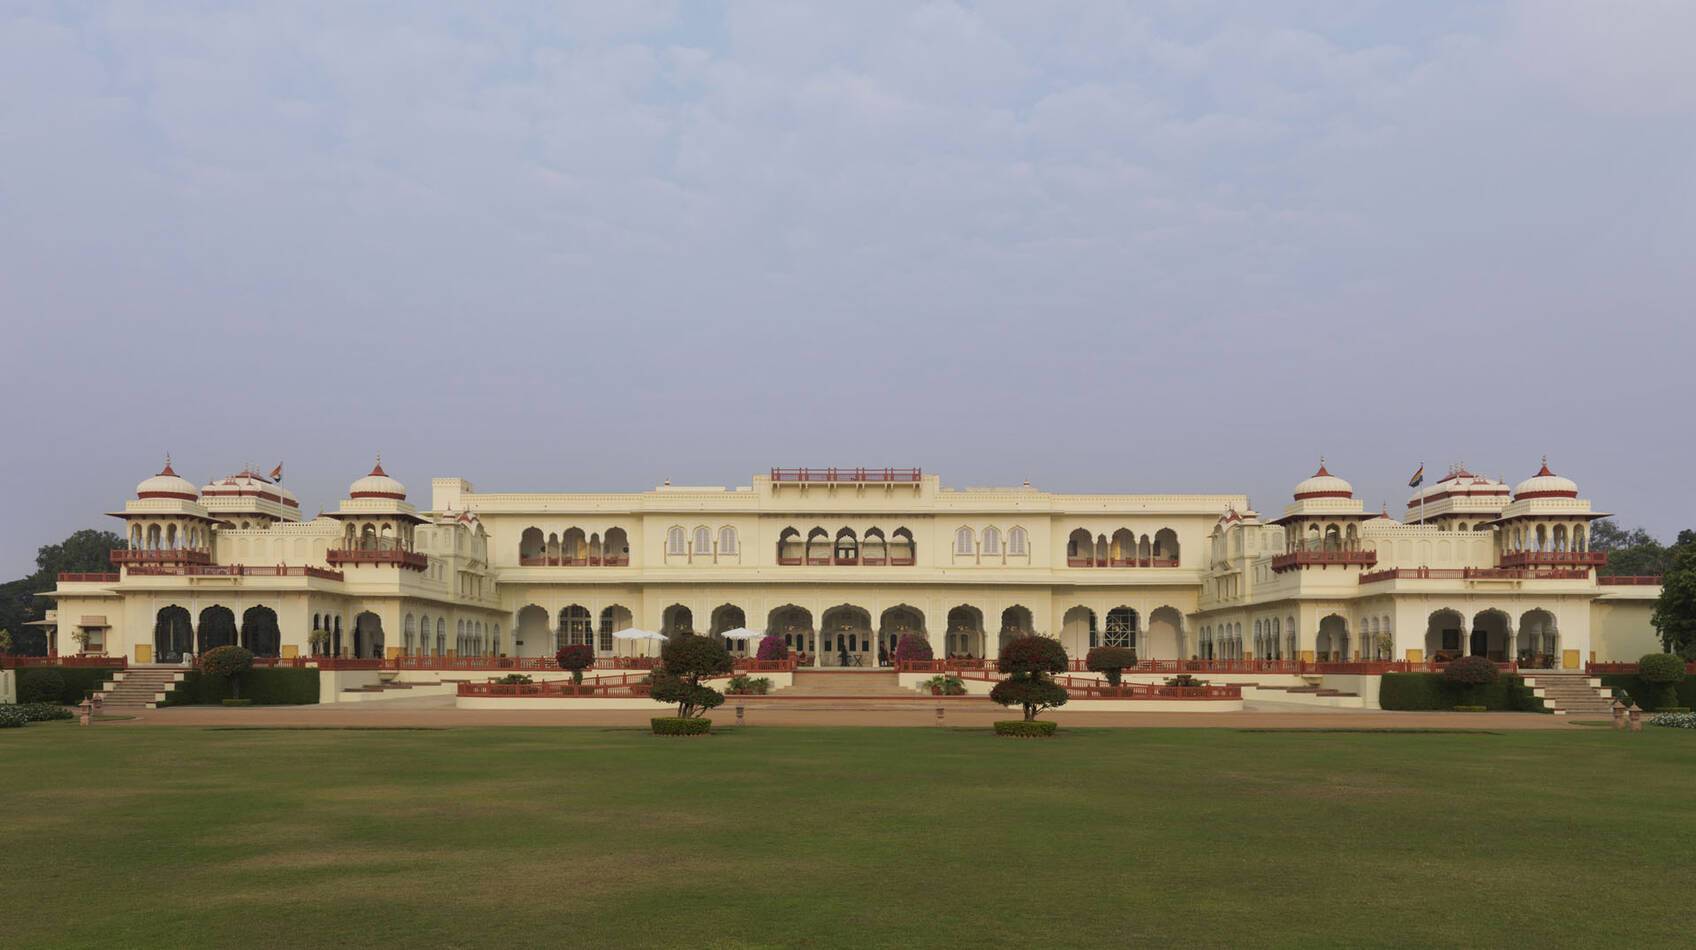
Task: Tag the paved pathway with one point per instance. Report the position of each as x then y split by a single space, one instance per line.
439 712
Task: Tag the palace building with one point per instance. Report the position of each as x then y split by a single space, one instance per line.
841 561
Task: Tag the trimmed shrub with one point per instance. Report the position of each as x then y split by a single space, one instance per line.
771 648
1471 709
913 646
11 717
1025 728
1110 661
1032 654
1429 691
77 682
685 661
1184 679
513 679
281 686
42 685
1643 693
1663 672
680 726
576 657
238 702
227 662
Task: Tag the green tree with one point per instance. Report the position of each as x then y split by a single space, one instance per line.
87 550
1675 610
1031 663
229 662
1634 552
684 661
1663 672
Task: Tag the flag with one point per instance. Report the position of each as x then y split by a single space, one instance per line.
277 473
1417 480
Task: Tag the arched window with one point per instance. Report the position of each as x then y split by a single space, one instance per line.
963 541
674 541
703 540
1017 543
727 540
992 541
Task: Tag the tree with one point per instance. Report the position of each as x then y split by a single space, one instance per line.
1675 610
1469 674
1110 661
87 550
1634 552
1663 672
229 662
1030 663
684 661
575 657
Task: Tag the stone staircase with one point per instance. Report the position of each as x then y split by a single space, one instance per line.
140 687
871 684
1568 692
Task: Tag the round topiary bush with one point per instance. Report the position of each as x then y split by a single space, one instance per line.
1110 661
228 662
912 646
44 685
1030 663
576 657
680 726
771 647
1469 674
1663 672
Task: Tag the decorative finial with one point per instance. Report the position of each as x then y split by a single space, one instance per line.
168 470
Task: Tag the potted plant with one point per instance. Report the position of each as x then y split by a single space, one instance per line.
744 685
945 684
318 641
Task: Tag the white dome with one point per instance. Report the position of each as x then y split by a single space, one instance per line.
1324 485
1546 484
167 484
378 484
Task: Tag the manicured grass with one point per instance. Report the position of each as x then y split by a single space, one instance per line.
150 836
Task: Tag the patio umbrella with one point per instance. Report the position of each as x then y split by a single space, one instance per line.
639 635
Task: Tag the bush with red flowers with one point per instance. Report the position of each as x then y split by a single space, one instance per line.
577 657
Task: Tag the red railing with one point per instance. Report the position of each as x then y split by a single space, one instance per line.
1099 689
1556 558
602 688
1470 573
77 660
844 561
847 475
232 570
1299 559
161 556
1612 580
1122 562
88 577
748 664
542 560
1596 669
411 560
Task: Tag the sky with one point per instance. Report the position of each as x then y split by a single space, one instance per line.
1101 246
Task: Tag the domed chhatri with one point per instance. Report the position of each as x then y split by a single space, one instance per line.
167 484
1545 484
378 484
1322 484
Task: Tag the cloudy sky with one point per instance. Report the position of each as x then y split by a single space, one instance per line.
1105 246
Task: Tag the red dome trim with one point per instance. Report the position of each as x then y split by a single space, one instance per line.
1554 493
167 494
1303 495
397 496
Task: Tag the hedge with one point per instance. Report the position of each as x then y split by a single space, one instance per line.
266 687
1025 728
78 682
673 726
1644 693
1414 691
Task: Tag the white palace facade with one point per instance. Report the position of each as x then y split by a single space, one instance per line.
843 561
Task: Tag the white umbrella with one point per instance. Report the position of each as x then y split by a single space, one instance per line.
636 634
742 633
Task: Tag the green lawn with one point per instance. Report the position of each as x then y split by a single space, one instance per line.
125 836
